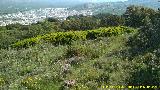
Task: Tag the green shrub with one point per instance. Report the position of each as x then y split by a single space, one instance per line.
6 39
68 37
80 23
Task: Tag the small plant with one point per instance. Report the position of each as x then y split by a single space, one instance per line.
31 82
2 81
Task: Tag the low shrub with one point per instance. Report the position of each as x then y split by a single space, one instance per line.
68 37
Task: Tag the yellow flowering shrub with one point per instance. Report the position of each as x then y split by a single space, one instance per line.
67 37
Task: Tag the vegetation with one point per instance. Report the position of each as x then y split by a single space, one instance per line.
68 37
82 52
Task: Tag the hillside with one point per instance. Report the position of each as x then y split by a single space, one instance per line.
13 6
116 7
103 51
46 66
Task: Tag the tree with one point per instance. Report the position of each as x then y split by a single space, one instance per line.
80 23
148 36
52 20
2 28
107 20
16 26
134 15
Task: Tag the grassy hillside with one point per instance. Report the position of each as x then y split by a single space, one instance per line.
89 64
81 65
77 54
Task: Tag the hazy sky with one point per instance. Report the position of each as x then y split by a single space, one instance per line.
105 0
71 0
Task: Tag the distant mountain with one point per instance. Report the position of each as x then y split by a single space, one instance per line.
11 6
148 3
116 7
109 7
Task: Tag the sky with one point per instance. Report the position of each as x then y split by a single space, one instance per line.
72 0
94 0
105 0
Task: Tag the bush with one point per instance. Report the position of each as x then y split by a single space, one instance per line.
107 20
135 15
6 39
80 23
13 26
68 37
